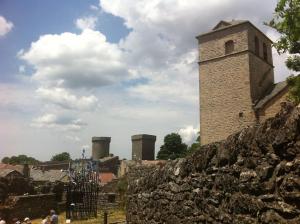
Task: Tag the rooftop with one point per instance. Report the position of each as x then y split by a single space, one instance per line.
18 168
49 175
222 25
4 172
106 177
277 88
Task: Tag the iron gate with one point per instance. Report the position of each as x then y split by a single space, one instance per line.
82 190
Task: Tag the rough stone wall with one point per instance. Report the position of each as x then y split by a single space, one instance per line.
272 107
252 177
33 206
224 94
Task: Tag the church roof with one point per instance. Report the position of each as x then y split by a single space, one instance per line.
277 88
222 25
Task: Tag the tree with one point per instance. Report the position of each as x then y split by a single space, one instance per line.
20 159
287 22
294 89
61 157
195 146
172 148
5 160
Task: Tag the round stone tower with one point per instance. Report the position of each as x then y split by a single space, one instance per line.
100 147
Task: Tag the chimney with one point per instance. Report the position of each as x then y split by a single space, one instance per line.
26 170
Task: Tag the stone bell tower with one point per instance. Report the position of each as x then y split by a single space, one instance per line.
235 72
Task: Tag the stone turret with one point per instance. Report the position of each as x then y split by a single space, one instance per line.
143 147
100 148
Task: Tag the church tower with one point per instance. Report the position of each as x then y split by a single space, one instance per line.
236 71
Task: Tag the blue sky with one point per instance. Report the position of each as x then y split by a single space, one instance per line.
35 18
73 69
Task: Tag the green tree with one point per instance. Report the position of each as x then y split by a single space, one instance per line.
61 157
195 146
122 187
5 160
286 21
20 159
172 148
294 89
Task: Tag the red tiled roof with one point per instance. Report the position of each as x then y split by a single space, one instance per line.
106 177
18 168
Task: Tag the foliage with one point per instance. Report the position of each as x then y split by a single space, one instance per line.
122 187
64 156
294 89
20 159
195 146
287 22
172 148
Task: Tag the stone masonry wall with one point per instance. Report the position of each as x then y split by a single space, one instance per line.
33 206
261 71
230 84
225 91
272 107
224 94
252 177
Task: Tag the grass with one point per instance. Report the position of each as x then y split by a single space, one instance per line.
114 215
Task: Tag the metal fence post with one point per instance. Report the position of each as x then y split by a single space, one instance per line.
105 217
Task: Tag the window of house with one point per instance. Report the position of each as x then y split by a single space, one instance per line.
265 51
256 45
229 47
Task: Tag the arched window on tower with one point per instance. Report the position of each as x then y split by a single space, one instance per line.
265 51
229 47
256 45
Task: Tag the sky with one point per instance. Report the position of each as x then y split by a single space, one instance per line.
73 69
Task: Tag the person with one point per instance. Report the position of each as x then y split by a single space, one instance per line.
27 220
53 217
16 221
2 221
46 220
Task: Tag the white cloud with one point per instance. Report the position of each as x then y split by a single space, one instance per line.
77 61
177 83
158 56
22 69
67 100
62 123
16 98
280 70
94 7
163 30
86 23
162 45
5 26
73 138
188 134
